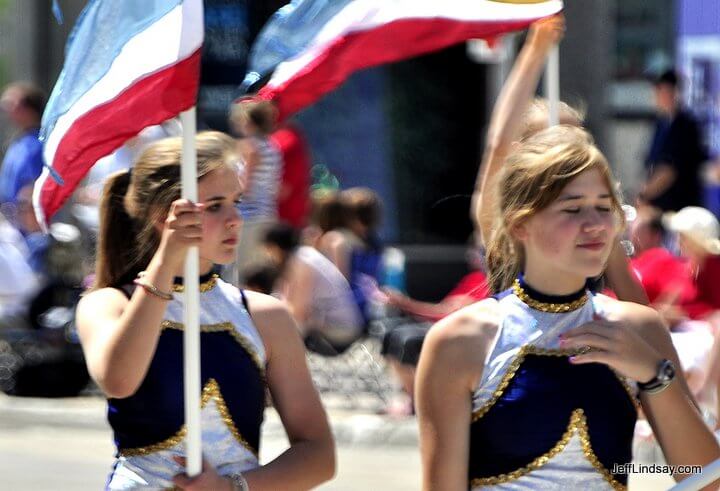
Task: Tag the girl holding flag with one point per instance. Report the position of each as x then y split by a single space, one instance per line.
539 386
131 327
516 117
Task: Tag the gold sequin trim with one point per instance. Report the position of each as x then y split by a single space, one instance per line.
553 308
204 287
513 368
230 329
211 391
578 424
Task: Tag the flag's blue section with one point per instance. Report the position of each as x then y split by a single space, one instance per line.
287 33
101 31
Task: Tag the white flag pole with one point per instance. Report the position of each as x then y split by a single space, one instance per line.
552 86
191 339
709 473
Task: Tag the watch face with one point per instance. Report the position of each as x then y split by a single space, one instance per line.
667 371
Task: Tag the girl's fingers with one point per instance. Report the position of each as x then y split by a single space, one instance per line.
591 357
592 340
181 480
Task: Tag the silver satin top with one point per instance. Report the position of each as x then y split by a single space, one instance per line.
570 467
222 305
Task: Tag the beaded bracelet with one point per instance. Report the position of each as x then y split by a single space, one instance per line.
150 288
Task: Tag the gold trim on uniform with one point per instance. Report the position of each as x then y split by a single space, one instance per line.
230 329
553 308
578 424
210 391
204 287
527 349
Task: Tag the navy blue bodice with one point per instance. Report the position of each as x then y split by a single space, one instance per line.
535 410
156 411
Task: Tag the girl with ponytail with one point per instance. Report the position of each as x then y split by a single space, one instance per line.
130 326
539 386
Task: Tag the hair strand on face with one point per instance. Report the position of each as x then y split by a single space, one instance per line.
533 178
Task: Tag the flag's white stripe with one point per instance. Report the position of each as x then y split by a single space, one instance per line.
363 15
172 38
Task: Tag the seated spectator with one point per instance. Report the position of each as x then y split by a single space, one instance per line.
318 295
699 240
328 231
365 249
662 274
403 342
345 231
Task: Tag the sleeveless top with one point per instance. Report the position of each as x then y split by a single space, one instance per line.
260 200
540 422
148 426
332 301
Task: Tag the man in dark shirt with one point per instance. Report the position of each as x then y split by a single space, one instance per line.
676 153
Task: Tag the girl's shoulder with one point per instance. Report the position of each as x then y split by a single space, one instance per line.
272 319
101 305
463 339
268 313
468 330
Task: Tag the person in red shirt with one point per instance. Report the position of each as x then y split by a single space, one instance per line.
294 194
662 274
699 240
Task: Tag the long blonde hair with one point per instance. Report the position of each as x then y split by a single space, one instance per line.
134 200
532 179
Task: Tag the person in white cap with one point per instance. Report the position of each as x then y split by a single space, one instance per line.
699 240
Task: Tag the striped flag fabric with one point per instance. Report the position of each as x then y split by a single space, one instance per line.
310 47
128 65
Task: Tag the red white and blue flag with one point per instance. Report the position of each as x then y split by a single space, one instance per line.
312 46
129 64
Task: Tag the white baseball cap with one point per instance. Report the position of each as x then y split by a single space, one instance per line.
697 224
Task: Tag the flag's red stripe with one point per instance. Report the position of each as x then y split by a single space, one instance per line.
390 42
97 133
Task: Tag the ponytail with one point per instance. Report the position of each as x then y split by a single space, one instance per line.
116 235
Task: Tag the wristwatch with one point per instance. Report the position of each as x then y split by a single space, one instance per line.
239 483
665 376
